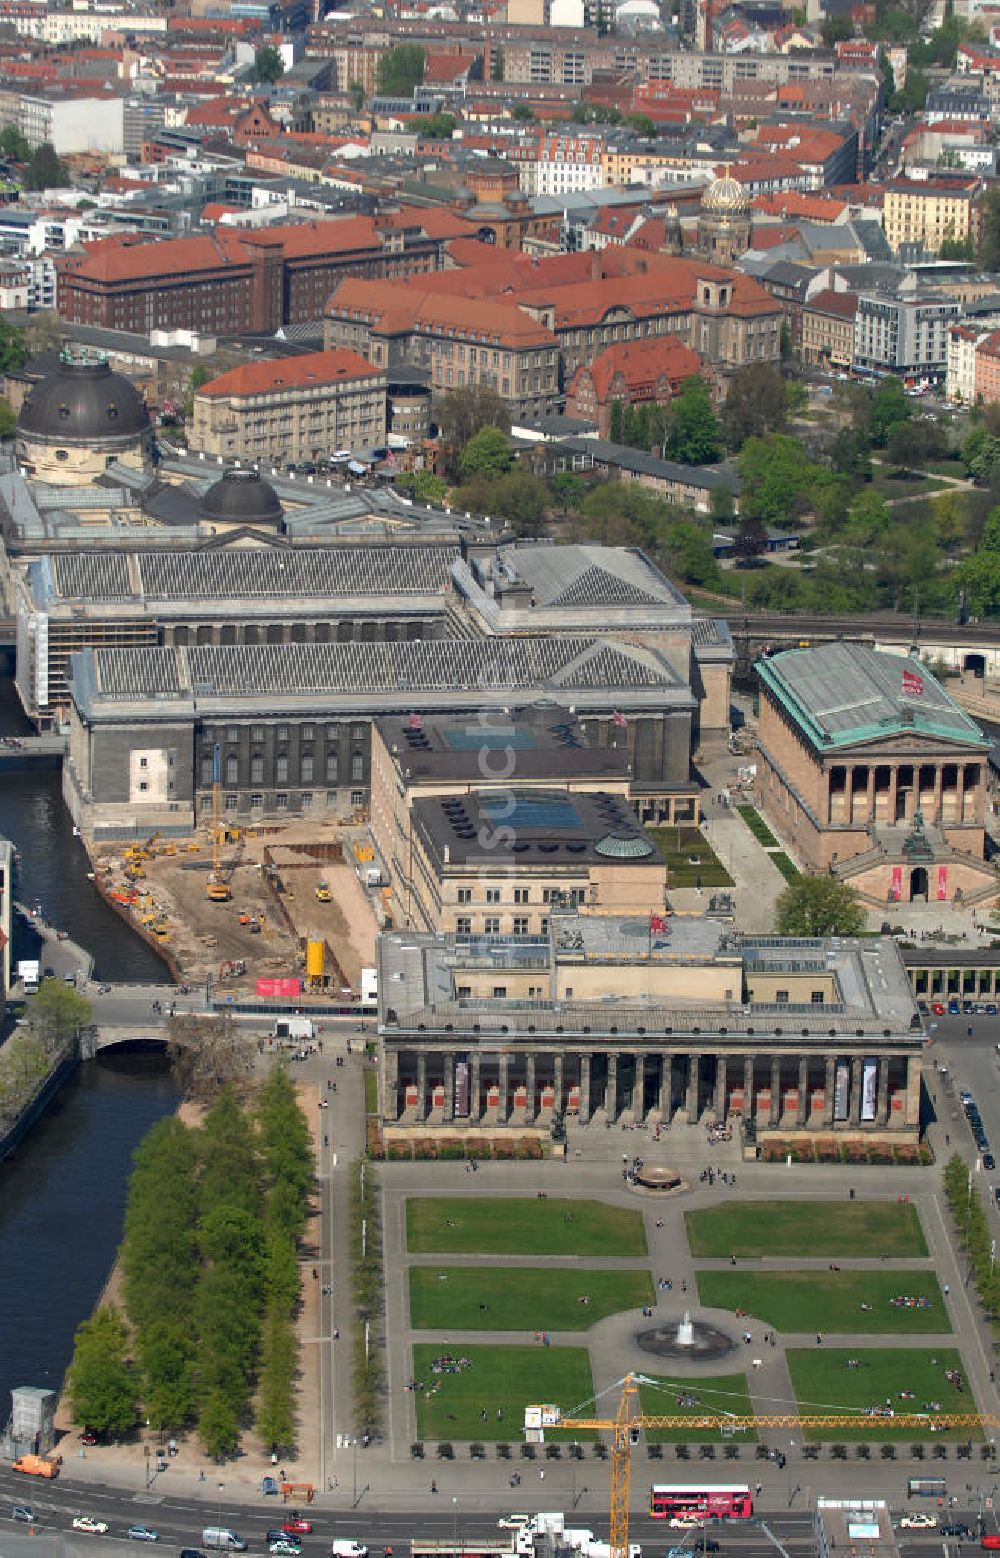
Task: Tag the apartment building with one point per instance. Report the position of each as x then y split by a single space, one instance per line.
904 335
986 382
960 371
828 328
70 117
931 211
295 409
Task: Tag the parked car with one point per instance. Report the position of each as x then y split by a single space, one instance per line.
953 1007
991 1540
88 1523
937 1008
269 1486
956 1528
989 1161
22 1512
143 1534
991 1008
512 1522
917 1520
89 1436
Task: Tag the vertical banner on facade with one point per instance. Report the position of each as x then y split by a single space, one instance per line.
942 891
869 1087
896 890
841 1090
461 1089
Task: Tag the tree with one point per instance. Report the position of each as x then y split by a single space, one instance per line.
497 71
424 486
912 96
42 333
693 438
56 1013
13 351
487 454
401 70
435 127
750 541
13 145
356 92
8 421
642 125
567 490
218 1427
836 29
850 453
207 1054
989 242
777 478
523 112
268 65
687 547
100 1382
462 413
45 170
889 407
520 498
756 404
819 906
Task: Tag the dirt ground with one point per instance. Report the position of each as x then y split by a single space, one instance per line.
203 936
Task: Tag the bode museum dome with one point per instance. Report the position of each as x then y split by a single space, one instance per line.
80 419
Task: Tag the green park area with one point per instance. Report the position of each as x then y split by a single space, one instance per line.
715 1393
501 1225
691 861
909 1379
850 1302
444 1298
494 1380
806 1228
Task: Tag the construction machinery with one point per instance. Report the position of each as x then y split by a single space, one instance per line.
629 1421
218 889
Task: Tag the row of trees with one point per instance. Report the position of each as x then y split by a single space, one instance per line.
973 1232
52 1019
210 1279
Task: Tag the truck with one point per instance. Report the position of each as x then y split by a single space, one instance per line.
221 1539
294 1028
579 1540
36 1466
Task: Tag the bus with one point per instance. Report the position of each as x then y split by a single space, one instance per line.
721 1501
926 1487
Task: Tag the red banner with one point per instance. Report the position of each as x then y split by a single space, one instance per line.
942 882
896 890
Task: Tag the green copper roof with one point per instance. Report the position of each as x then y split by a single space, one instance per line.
840 694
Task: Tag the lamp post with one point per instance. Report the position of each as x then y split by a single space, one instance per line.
454 1524
221 1486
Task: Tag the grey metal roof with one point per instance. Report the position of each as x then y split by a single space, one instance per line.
586 576
840 694
466 666
602 452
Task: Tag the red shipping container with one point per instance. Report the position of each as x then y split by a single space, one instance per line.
278 989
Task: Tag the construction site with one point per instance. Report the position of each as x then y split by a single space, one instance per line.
259 913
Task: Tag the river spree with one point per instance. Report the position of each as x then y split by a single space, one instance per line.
62 1195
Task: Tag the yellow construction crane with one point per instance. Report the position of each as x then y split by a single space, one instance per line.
629 1421
218 889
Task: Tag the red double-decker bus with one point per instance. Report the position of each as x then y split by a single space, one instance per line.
724 1501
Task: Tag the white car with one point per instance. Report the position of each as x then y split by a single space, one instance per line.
513 1522
88 1523
917 1521
685 1522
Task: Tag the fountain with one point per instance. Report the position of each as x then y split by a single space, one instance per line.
691 1341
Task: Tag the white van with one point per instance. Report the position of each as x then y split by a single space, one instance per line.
348 1550
221 1539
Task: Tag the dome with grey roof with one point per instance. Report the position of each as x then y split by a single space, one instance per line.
243 498
83 402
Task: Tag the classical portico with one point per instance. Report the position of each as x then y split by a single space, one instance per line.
870 769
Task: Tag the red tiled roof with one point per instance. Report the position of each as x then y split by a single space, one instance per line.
843 304
395 309
797 202
315 369
641 364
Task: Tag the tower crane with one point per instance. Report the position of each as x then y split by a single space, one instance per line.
218 889
629 1421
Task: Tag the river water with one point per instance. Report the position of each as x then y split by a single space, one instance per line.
62 1195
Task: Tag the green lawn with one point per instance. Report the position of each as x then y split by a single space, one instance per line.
711 1393
786 865
828 1300
501 1225
816 1228
521 1299
508 1378
908 486
823 1383
758 827
690 858
371 1092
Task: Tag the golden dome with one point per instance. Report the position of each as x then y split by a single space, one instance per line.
726 196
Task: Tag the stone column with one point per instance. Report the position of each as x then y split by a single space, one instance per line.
529 1080
882 1106
449 1087
558 1095
854 1111
748 1088
611 1092
802 1112
476 1089
849 793
503 1112
694 1077
639 1089
826 797
871 792
893 792
831 1083
584 1089
938 787
666 1089
421 1086
721 1086
775 1090
913 1073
